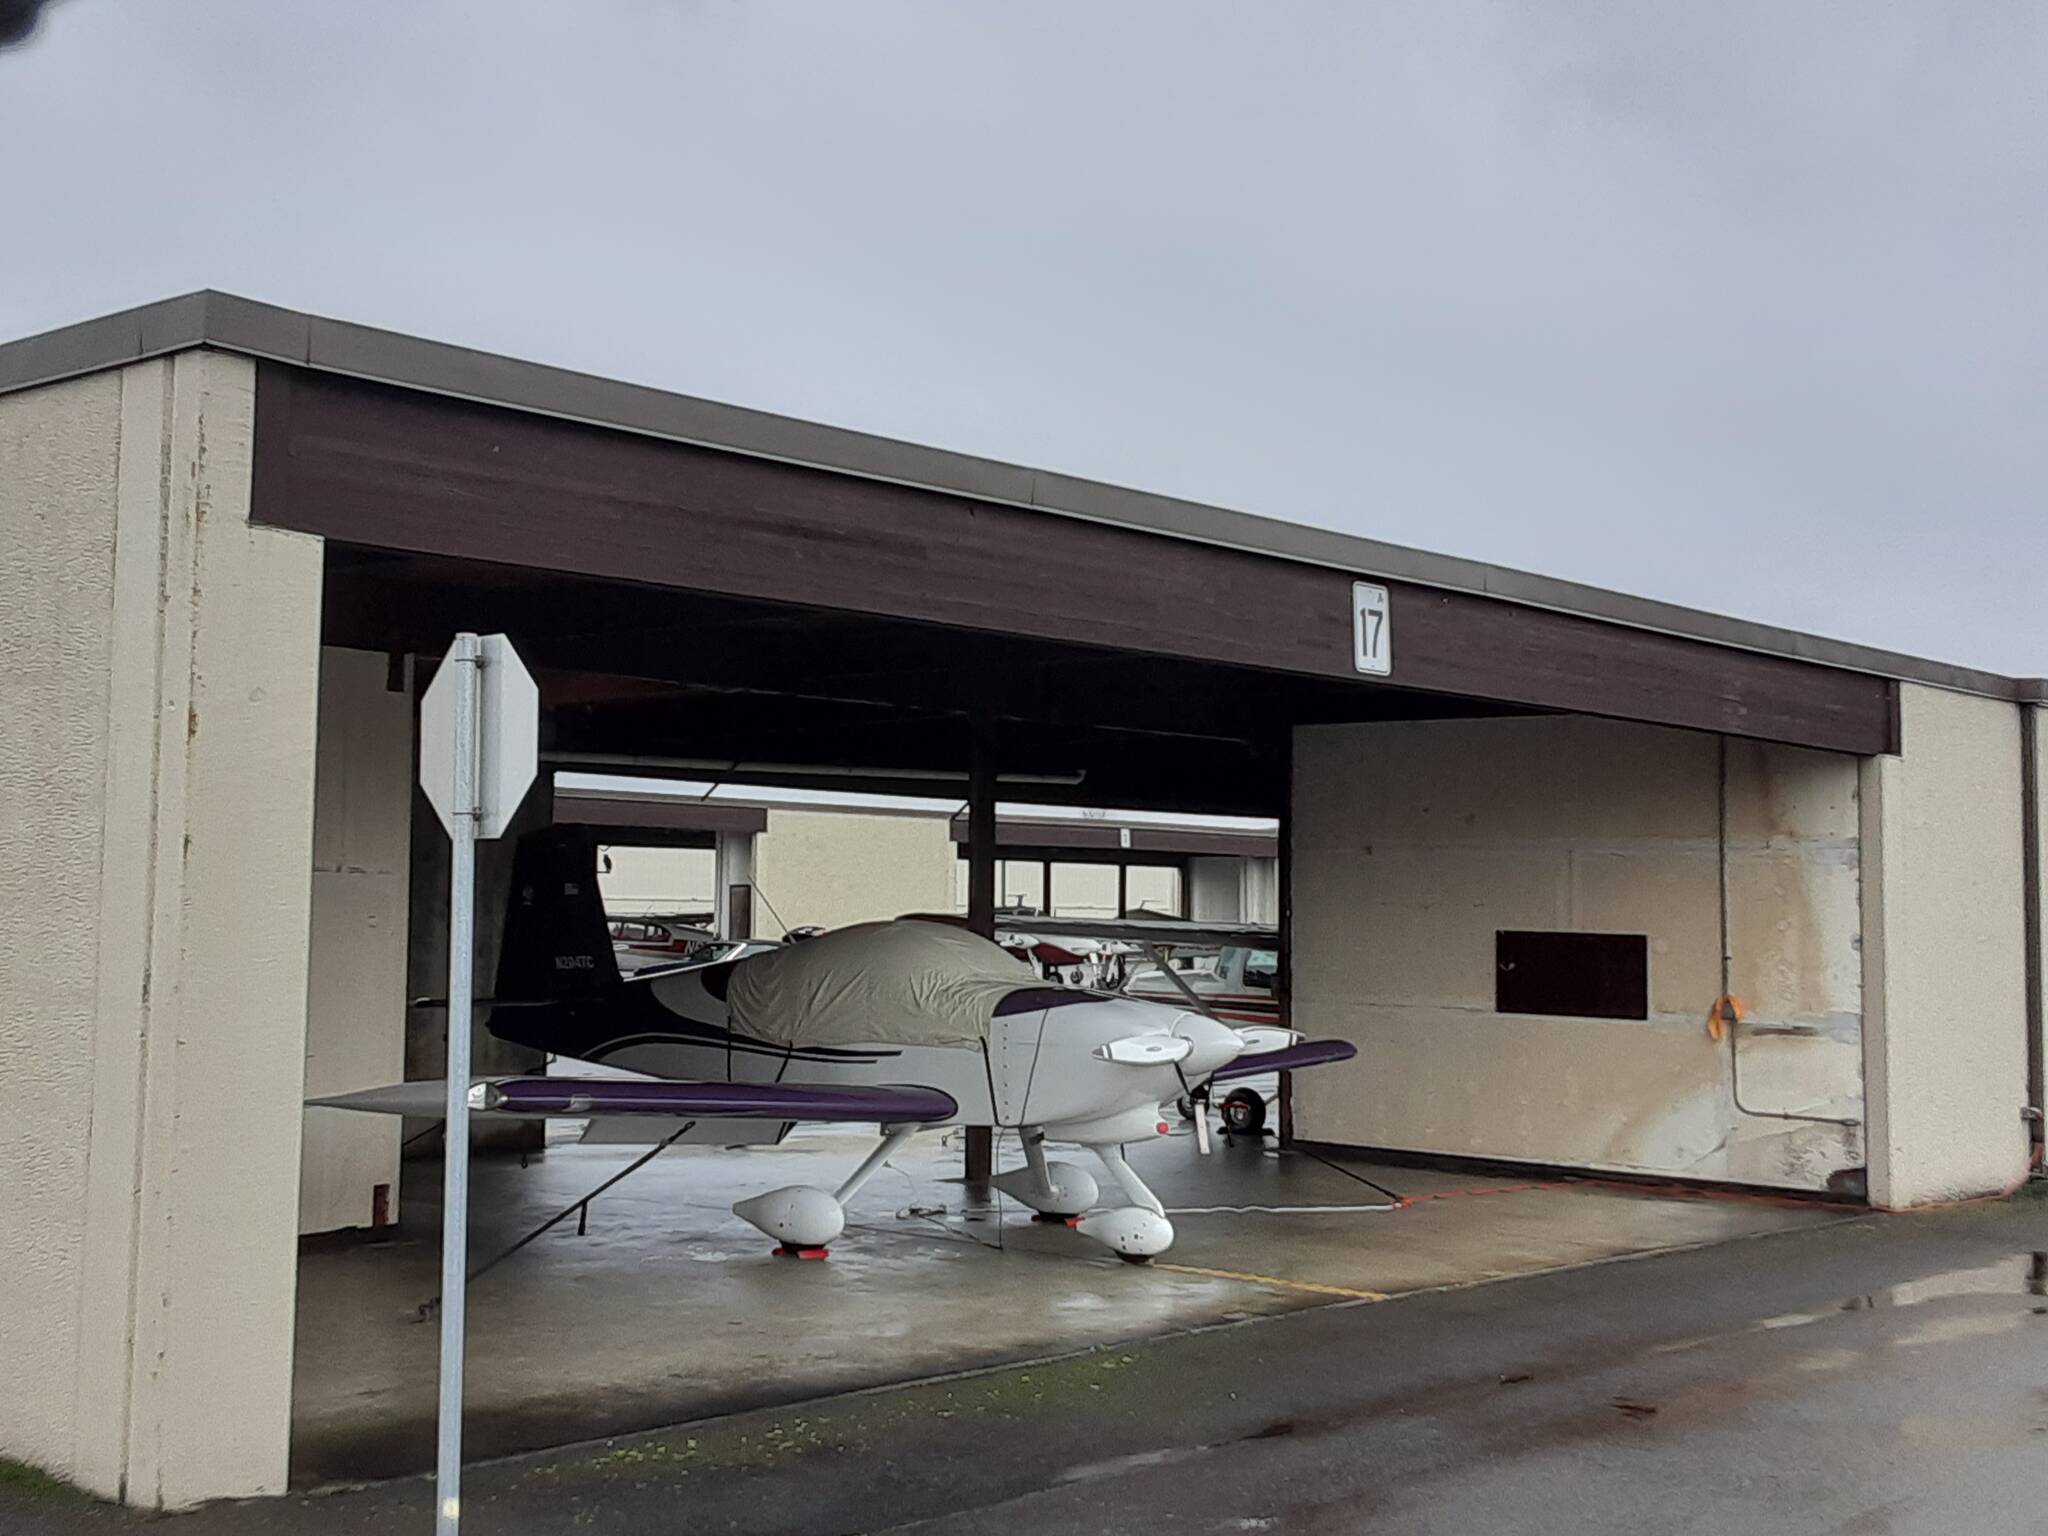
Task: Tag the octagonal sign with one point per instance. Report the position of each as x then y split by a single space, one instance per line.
508 734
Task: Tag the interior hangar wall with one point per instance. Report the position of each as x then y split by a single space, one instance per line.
355 1003
1414 842
156 810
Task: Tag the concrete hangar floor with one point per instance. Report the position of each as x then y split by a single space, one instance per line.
666 1308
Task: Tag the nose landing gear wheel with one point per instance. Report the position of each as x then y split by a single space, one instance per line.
1244 1113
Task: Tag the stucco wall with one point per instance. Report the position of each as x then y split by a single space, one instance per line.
156 798
1414 842
355 1006
833 868
1078 890
659 880
1945 980
59 459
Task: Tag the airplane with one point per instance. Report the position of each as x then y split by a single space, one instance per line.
909 1025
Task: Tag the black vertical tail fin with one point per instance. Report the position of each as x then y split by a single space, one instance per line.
558 946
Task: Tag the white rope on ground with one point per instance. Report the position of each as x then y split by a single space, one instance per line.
1277 1210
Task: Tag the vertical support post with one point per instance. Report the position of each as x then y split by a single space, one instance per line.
734 877
468 657
981 896
1283 972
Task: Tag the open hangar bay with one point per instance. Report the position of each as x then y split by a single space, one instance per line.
1595 886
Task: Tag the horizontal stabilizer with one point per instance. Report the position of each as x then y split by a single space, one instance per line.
424 1099
1289 1058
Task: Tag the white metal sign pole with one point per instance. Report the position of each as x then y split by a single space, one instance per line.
466 657
479 725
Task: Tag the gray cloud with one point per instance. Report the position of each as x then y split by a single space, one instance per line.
1734 304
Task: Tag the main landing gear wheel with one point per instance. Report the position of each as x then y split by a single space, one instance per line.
1244 1113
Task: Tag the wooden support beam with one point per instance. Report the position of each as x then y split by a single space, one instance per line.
393 470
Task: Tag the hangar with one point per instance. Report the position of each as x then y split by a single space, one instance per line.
1592 882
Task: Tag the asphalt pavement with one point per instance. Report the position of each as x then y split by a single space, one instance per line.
1881 1375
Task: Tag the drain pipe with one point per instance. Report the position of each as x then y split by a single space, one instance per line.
1724 1006
2030 906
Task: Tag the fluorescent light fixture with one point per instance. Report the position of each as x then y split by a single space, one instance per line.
626 762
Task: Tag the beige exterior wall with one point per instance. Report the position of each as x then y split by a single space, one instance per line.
1946 981
355 1005
1415 842
834 868
59 462
156 807
659 880
1078 890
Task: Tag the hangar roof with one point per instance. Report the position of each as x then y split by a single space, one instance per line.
229 323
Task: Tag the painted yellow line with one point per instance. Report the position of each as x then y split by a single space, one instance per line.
1292 1285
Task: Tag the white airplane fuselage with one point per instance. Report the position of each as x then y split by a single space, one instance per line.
1056 1065
1041 1066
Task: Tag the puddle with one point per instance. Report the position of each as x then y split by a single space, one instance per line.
1948 1330
2022 1274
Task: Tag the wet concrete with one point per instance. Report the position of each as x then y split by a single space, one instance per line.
670 1308
1885 1375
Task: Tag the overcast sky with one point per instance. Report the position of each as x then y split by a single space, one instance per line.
1740 305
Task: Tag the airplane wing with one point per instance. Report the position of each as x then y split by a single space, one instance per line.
1170 931
1289 1058
581 1096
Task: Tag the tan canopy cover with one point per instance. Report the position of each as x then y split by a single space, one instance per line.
896 983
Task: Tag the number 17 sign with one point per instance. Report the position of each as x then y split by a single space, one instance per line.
1372 629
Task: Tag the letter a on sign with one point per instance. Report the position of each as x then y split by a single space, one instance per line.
1372 629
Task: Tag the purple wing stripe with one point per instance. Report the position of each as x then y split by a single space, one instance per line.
770 1101
1289 1058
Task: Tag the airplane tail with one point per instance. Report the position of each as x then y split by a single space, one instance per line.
558 947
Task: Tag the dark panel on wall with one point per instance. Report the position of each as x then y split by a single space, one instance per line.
1576 975
401 470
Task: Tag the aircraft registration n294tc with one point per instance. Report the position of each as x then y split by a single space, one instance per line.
908 1025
